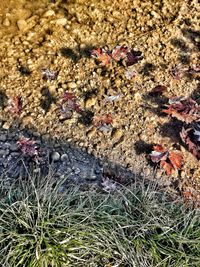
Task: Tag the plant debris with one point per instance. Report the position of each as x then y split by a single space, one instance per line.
186 110
49 75
120 52
133 57
179 71
130 73
108 185
169 160
27 147
112 98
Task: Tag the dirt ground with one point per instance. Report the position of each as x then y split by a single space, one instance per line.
59 35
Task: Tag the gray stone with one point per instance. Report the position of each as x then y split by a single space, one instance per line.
64 157
4 153
3 137
14 147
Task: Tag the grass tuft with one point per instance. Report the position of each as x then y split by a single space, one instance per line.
40 225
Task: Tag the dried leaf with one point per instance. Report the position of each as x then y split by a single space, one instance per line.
179 71
119 52
169 159
190 137
176 159
133 57
112 98
15 105
103 120
130 73
159 89
102 55
186 110
167 167
158 154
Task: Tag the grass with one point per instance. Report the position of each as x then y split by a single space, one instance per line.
40 225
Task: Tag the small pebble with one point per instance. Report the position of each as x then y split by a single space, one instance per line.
6 22
71 85
14 147
49 13
4 153
61 21
3 138
64 157
22 24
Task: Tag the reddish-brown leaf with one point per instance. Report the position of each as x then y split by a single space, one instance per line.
186 110
119 52
176 159
188 136
103 120
69 105
167 167
169 160
15 105
101 55
133 57
158 90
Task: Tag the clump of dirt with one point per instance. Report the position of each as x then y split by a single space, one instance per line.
58 36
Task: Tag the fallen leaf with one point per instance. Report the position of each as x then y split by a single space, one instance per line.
130 73
119 52
102 120
48 74
170 160
186 110
102 55
190 137
15 105
159 89
133 57
69 105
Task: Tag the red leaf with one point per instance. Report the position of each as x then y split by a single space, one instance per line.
133 57
69 105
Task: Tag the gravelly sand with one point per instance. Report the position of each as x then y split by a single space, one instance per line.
59 36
